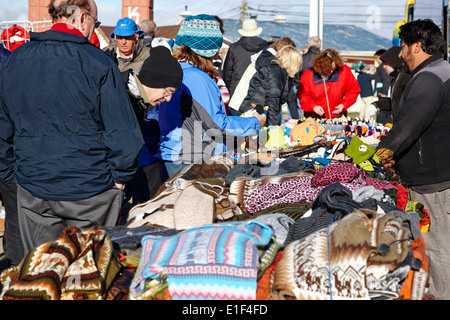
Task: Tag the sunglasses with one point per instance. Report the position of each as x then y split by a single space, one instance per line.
96 22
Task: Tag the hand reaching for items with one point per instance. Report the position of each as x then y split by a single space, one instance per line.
339 109
319 110
385 157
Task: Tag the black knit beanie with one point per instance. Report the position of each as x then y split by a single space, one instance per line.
391 57
161 69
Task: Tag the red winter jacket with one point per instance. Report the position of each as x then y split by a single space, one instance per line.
341 87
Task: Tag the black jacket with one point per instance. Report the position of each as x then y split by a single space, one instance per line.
238 59
307 59
268 87
419 134
400 77
398 87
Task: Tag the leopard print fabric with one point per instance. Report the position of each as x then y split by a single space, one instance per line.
308 188
343 172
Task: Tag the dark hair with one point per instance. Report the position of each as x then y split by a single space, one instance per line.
427 33
380 52
220 22
66 8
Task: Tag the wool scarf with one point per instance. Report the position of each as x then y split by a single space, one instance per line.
331 204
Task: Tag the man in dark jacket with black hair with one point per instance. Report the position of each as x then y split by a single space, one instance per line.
418 141
70 139
239 53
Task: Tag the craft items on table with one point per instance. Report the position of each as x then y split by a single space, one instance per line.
304 211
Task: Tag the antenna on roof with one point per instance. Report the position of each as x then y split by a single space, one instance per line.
184 14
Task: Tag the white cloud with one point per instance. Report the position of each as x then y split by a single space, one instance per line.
13 10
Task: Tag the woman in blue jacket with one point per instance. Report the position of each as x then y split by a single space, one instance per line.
194 124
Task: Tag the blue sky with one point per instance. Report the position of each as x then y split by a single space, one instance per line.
378 16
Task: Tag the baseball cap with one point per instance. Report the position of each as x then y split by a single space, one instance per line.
126 27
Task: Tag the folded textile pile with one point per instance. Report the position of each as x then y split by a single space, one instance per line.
191 197
308 188
184 205
242 187
362 255
217 261
76 266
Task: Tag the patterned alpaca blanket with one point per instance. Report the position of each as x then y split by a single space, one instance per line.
344 262
76 266
216 262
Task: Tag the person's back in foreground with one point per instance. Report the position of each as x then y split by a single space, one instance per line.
70 139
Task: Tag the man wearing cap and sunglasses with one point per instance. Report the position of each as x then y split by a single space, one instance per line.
70 139
128 49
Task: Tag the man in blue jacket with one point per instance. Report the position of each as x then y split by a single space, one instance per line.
68 133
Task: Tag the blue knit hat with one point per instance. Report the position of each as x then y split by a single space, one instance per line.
126 27
202 34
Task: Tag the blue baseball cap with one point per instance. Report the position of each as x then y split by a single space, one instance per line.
126 27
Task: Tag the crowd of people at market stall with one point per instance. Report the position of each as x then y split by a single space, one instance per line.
244 175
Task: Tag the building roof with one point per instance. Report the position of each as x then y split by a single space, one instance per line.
167 31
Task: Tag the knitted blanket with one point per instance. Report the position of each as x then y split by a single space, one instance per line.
343 261
250 170
216 262
76 266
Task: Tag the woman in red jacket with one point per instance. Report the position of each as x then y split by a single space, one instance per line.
327 88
